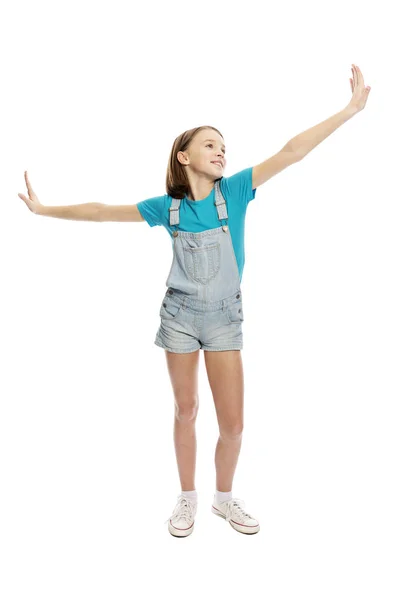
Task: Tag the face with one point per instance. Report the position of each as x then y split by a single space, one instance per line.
206 148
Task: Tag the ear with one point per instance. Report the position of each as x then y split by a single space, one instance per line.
182 157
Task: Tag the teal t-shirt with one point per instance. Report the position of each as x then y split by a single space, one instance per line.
200 215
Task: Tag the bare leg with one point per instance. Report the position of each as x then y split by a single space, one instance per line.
185 450
226 458
225 375
183 370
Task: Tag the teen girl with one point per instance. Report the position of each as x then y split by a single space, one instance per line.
204 213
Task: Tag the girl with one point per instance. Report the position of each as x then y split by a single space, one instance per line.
203 306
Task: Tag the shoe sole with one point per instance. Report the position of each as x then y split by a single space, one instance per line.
182 532
235 527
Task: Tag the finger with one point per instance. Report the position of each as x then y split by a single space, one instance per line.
26 179
30 189
23 197
353 68
356 76
360 76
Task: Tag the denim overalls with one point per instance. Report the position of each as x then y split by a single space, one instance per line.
202 307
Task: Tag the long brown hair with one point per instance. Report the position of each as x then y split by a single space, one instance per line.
177 182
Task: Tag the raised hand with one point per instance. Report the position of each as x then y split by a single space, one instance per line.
359 91
33 201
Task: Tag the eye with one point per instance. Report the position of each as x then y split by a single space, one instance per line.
210 144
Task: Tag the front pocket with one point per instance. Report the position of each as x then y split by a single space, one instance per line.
203 263
169 310
235 311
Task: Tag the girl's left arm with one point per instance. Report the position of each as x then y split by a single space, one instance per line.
302 144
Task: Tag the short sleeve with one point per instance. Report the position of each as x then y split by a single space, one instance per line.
152 210
239 185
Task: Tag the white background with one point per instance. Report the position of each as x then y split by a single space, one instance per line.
93 96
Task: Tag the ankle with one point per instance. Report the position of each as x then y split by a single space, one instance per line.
190 495
223 496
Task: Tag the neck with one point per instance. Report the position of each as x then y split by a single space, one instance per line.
201 188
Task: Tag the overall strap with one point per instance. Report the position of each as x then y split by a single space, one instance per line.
220 204
174 211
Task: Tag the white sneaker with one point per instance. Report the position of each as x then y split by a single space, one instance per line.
181 522
233 511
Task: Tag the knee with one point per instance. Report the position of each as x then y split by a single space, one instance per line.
186 410
233 432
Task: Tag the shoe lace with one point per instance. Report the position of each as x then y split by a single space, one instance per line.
236 506
185 508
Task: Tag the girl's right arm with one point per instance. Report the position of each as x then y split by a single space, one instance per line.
91 211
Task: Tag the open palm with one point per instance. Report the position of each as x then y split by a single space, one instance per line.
33 201
359 91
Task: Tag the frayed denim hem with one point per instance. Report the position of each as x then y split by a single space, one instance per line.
157 343
220 349
176 351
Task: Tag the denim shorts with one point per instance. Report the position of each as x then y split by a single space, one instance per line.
188 324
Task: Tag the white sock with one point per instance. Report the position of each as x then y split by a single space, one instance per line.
191 495
223 496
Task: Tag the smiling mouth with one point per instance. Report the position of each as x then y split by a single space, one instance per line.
217 164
